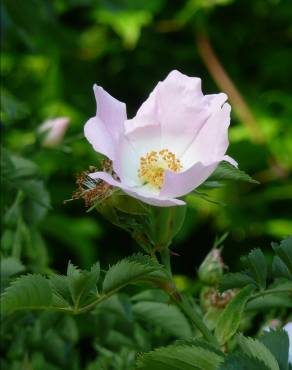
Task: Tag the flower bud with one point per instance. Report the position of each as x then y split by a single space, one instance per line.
53 131
206 295
211 297
211 269
271 324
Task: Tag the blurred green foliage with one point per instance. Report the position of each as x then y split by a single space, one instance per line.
53 51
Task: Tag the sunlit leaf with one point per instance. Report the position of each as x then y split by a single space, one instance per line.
229 319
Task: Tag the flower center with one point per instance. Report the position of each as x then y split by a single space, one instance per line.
153 165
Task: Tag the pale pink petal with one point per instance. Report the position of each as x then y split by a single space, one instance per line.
99 137
127 163
104 130
230 160
135 144
111 111
55 130
179 184
211 142
157 201
146 136
138 192
179 106
216 100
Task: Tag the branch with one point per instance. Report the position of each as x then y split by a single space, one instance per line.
225 83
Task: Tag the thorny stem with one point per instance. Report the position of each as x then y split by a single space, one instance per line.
165 259
196 320
174 295
181 302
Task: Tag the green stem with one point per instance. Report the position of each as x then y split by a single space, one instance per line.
165 259
91 305
188 310
196 320
182 303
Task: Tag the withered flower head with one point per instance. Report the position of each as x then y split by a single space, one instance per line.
93 191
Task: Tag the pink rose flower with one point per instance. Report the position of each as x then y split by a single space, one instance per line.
54 130
172 145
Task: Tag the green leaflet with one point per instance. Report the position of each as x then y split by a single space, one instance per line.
82 283
27 292
284 251
23 174
60 287
77 291
270 301
235 280
168 317
240 361
255 349
127 271
180 357
9 266
269 352
225 171
280 269
258 266
229 319
277 341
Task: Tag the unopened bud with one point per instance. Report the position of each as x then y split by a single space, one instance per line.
53 131
272 324
211 269
211 297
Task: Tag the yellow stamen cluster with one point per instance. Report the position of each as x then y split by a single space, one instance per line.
154 164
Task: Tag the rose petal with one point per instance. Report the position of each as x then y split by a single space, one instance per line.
128 162
179 106
216 101
99 137
230 160
146 136
111 111
211 142
179 184
138 193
